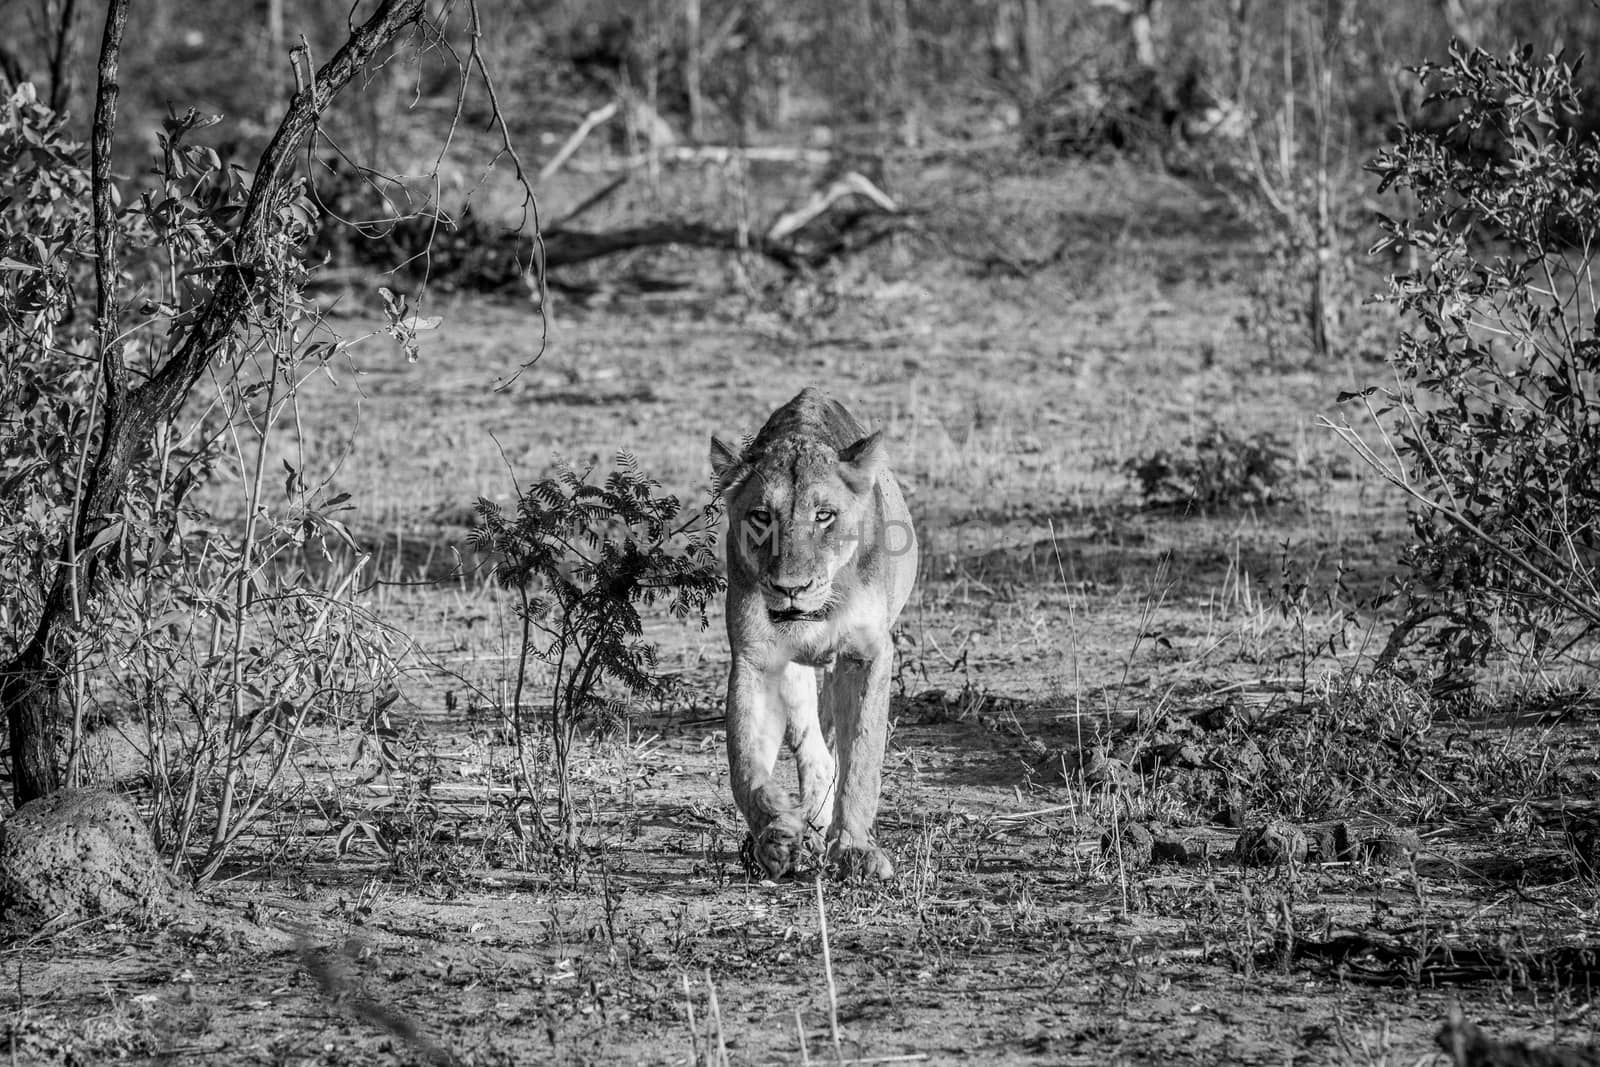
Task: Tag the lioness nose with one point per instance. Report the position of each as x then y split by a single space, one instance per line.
790 591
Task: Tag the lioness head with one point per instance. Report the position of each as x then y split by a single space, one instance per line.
798 511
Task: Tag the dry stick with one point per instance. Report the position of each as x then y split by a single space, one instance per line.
593 119
694 1035
1116 837
530 203
799 1028
113 370
339 988
716 1017
827 969
242 598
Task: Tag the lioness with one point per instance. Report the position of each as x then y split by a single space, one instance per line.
821 558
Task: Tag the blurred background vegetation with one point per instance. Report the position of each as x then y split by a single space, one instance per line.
1154 78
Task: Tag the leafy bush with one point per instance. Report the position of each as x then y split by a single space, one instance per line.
47 375
1494 427
1215 469
211 660
583 559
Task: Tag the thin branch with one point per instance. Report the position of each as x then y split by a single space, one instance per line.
1554 589
105 267
229 301
530 203
576 139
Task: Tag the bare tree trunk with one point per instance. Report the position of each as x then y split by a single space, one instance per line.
1033 45
1003 53
691 67
60 17
30 689
276 58
1141 31
30 682
1323 297
1467 25
901 101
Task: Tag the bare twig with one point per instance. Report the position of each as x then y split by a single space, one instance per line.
1556 590
694 1035
339 988
799 1029
715 1011
530 203
590 121
827 970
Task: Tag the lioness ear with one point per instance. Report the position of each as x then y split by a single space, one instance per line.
860 463
728 467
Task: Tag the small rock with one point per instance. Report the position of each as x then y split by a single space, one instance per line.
940 705
1246 760
1231 813
1392 848
1329 844
74 855
1132 843
1180 754
1219 716
1129 750
1107 772
1176 850
1154 754
1275 843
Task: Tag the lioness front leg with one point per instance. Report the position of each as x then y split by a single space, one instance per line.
807 739
757 718
857 695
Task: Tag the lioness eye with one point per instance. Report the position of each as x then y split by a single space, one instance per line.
824 515
761 516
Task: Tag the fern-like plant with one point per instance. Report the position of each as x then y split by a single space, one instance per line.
584 558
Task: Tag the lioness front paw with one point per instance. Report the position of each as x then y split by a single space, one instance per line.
867 862
778 846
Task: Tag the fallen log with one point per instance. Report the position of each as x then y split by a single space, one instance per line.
852 234
807 236
468 252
